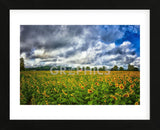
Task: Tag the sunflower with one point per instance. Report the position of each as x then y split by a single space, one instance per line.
130 81
82 87
136 103
110 84
116 85
121 86
46 102
97 83
131 86
124 82
90 91
131 91
113 97
126 95
117 94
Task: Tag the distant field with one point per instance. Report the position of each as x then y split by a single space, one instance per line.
43 88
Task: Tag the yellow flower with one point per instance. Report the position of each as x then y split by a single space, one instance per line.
136 103
131 91
97 83
124 82
126 95
82 87
131 86
113 97
104 100
117 94
92 87
116 85
121 86
110 84
90 91
46 102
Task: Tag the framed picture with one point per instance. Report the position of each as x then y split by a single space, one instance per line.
69 65
78 64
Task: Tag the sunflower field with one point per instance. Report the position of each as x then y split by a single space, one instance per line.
43 88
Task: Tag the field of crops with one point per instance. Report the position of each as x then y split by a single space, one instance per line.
43 88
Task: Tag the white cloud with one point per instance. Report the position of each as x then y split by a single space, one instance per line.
84 58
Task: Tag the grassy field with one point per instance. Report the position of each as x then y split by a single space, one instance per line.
43 88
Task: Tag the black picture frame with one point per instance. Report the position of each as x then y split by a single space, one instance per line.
6 123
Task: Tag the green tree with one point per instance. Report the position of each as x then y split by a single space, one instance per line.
130 67
136 69
115 68
95 68
87 68
121 69
104 68
22 64
100 69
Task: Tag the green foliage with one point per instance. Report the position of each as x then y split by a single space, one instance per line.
42 88
121 69
130 67
22 64
115 68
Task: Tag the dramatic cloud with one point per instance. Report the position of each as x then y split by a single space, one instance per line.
80 45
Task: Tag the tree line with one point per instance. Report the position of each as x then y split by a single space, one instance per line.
115 68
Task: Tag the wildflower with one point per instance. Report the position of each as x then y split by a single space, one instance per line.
90 91
121 86
124 82
131 86
110 84
126 95
46 102
113 97
130 81
117 94
131 91
97 83
116 85
82 87
136 103
104 100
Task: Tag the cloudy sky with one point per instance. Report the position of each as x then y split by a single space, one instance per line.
80 45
